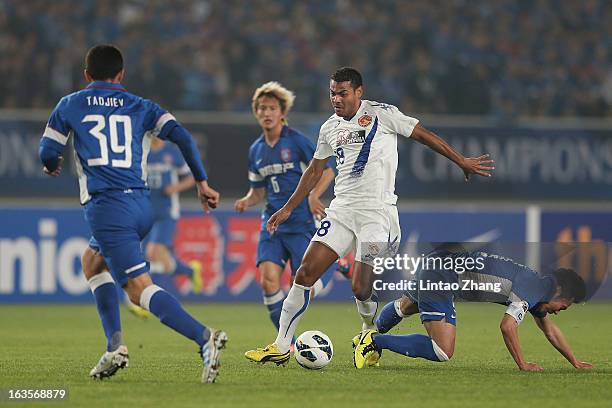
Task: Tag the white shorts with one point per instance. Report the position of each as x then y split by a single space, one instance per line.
371 233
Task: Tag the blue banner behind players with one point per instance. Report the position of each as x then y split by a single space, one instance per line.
40 248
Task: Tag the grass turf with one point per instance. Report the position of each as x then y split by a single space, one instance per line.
51 346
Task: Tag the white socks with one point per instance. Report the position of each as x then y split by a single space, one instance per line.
397 305
100 279
294 306
316 288
367 311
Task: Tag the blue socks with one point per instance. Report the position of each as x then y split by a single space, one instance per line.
274 303
389 317
171 313
182 268
411 345
107 301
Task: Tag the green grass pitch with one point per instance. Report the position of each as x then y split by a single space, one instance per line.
47 346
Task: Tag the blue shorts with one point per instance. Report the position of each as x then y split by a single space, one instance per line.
282 247
434 304
162 232
118 222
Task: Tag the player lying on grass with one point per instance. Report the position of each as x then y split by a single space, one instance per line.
520 288
362 135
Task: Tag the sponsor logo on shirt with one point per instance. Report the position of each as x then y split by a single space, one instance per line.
275 168
364 120
345 137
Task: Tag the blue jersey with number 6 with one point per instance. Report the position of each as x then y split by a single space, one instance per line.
279 168
112 131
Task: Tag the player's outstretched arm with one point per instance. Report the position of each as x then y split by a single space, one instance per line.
308 181
314 199
253 197
555 336
509 329
481 166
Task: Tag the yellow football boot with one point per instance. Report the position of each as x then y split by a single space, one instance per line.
137 311
366 354
269 354
373 362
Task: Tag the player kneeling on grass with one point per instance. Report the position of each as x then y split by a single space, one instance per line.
521 289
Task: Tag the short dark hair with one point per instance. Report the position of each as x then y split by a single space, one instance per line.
348 74
103 61
571 284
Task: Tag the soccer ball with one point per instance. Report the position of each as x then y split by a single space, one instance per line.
313 350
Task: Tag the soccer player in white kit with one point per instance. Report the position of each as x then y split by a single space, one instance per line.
362 135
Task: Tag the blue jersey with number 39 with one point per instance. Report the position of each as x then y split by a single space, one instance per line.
112 131
279 168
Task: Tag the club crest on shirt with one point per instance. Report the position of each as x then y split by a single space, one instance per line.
364 120
286 155
345 136
167 158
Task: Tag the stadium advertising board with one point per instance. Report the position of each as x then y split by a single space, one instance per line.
40 248
530 163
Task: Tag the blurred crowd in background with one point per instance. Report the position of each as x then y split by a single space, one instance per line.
501 58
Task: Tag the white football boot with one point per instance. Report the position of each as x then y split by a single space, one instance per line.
110 363
211 353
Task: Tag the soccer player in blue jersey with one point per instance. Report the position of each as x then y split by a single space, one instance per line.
277 160
168 175
493 278
111 134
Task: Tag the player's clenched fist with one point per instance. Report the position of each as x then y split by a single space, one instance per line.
277 219
209 198
57 170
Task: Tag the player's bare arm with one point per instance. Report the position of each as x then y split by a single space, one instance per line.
253 197
509 329
314 202
308 181
481 166
184 184
555 336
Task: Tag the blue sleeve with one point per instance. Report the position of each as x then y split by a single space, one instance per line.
306 148
181 137
256 180
49 152
530 287
54 138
